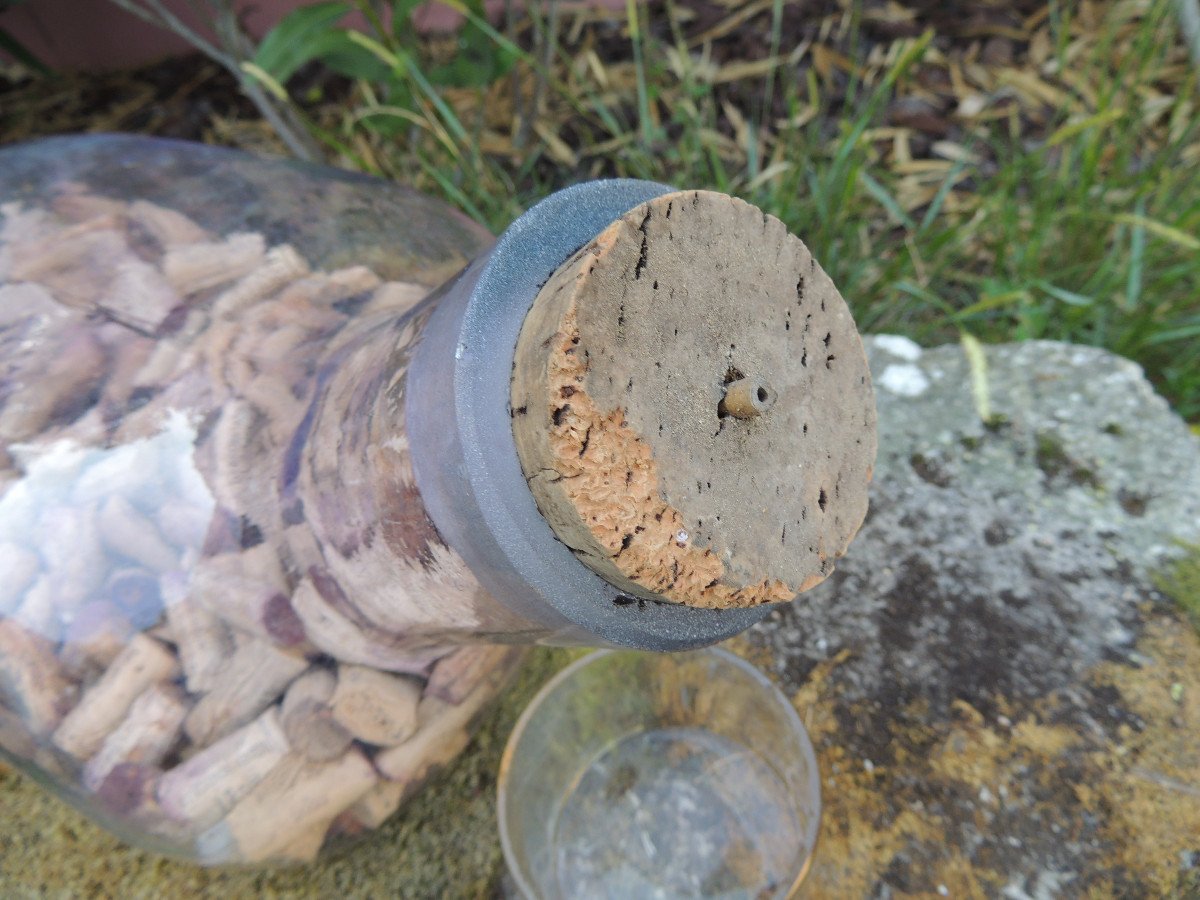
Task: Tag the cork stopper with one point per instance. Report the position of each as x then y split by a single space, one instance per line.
692 406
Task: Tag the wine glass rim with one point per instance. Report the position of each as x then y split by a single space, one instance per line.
788 711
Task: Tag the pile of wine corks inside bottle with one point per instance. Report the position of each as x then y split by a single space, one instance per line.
177 644
693 409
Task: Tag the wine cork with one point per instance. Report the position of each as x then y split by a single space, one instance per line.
374 706
287 806
32 683
205 787
142 663
144 736
692 406
307 719
253 677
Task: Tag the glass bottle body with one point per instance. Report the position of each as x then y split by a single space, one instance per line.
229 629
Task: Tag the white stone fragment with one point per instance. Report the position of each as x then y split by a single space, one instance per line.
904 380
898 346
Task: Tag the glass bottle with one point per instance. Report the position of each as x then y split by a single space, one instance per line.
266 545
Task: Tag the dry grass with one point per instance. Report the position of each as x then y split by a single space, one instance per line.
1009 169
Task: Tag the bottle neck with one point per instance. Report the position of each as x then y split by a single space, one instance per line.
376 559
351 451
464 455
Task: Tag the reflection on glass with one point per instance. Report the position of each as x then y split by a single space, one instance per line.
108 524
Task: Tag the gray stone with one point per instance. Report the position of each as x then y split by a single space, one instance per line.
1001 557
1001 562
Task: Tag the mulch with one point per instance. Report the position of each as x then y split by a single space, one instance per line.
989 63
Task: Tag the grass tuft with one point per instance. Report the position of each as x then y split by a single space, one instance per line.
1005 171
1061 200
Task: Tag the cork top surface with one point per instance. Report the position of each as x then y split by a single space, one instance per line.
692 406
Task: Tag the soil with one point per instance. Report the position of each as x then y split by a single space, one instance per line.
192 98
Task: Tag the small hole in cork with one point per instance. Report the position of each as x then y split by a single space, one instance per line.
744 398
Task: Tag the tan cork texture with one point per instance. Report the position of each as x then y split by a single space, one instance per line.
692 406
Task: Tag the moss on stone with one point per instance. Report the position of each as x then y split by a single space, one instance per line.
1054 461
967 801
1180 580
